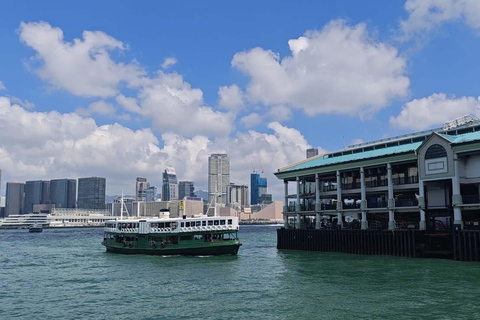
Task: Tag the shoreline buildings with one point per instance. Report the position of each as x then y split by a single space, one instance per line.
218 178
91 193
170 184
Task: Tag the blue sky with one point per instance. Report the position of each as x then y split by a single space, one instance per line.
122 89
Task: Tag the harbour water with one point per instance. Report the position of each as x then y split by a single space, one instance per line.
66 274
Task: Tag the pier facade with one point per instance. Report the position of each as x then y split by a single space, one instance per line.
424 184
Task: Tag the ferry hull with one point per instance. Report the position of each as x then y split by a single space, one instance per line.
230 249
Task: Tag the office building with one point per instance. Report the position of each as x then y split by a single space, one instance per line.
258 187
218 177
91 193
141 189
14 198
33 195
170 184
63 193
312 152
151 194
237 196
186 189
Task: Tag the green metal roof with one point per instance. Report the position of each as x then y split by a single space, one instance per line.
326 160
461 138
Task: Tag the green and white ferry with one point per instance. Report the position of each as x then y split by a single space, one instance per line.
197 235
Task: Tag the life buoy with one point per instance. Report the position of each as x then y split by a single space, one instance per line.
163 244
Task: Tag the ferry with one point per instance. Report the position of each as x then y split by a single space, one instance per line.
35 228
197 235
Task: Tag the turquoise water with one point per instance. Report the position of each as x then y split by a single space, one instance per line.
66 274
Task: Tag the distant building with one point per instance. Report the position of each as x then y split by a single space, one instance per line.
237 196
63 193
33 194
258 187
312 152
151 194
14 198
141 189
218 177
265 198
170 184
186 189
91 193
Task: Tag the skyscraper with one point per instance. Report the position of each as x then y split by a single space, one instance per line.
170 185
141 189
218 177
151 194
91 193
186 189
63 193
258 187
14 198
237 196
33 194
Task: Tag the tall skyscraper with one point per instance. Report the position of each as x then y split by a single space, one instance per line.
237 196
170 184
63 193
91 193
151 194
45 192
33 194
218 177
141 189
258 187
186 189
14 198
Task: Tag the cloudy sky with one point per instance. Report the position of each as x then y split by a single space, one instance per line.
122 89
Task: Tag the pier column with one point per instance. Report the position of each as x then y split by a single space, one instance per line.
339 199
285 205
363 204
297 206
391 200
317 201
457 197
421 203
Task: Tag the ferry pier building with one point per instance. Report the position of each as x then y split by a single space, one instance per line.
422 186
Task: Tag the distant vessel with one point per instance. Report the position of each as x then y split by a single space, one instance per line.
197 235
35 228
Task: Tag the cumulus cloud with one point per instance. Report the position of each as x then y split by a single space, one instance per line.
427 15
434 110
67 145
252 120
339 69
168 62
82 67
100 107
280 113
231 97
24 103
2 86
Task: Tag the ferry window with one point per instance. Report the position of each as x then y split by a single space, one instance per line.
186 238
198 223
198 237
167 225
173 225
161 225
216 222
182 224
229 221
222 222
210 222
204 223
187 224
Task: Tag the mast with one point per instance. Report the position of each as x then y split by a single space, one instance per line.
121 207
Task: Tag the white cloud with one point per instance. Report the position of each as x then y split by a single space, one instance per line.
339 69
2 86
100 107
168 62
129 104
67 145
426 15
280 113
252 120
433 111
231 97
24 103
82 67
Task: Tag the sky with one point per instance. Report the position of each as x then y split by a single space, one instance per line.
121 89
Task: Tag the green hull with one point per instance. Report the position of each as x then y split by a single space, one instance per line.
206 250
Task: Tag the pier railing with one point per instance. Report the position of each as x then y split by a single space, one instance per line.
466 244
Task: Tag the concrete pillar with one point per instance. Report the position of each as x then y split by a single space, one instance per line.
285 205
391 200
317 201
457 197
421 203
298 221
297 206
339 199
363 204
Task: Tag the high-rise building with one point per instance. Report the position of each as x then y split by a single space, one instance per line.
14 198
170 184
151 194
312 152
258 187
218 177
33 194
237 196
141 189
45 192
91 193
63 193
186 189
